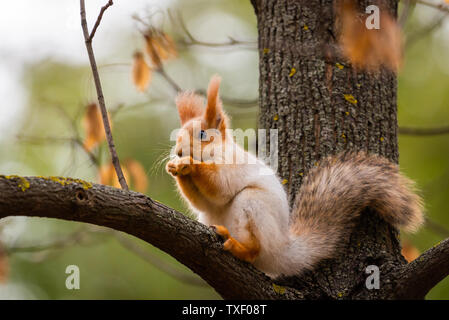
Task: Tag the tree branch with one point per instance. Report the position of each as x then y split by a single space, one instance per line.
104 114
416 279
160 264
423 131
192 41
190 242
90 235
414 37
100 16
440 6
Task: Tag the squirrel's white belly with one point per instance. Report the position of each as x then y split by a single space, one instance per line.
271 230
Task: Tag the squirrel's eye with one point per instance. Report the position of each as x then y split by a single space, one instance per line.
203 135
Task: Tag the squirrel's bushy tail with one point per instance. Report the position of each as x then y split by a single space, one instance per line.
335 192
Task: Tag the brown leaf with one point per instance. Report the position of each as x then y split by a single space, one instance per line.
409 252
138 175
159 46
4 265
108 176
93 126
141 72
370 49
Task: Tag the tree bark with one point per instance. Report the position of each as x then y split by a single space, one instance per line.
307 92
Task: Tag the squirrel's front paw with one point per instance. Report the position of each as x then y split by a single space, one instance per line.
179 166
221 231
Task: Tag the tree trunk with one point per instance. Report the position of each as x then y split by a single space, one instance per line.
307 92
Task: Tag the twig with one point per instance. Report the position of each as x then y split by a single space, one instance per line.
423 131
439 6
158 263
425 31
170 80
77 237
405 13
241 103
436 227
235 102
100 16
193 41
83 236
61 140
104 114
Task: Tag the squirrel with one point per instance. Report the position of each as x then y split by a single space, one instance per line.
250 211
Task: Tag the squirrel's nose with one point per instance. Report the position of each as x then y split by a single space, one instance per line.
179 152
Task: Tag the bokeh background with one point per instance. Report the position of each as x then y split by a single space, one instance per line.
46 83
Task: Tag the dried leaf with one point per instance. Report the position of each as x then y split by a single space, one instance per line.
4 265
159 46
141 72
409 251
138 175
370 49
108 176
93 126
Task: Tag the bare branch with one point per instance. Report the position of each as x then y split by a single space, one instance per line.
226 100
241 103
192 41
414 37
158 263
439 6
437 228
190 242
405 13
61 140
100 16
423 131
77 237
169 80
90 236
416 279
104 113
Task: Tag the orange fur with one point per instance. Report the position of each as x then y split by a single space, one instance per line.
213 108
191 192
247 250
189 106
204 179
214 115
201 176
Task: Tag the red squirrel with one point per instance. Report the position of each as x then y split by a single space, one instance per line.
250 210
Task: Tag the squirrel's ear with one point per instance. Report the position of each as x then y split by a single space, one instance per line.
189 106
214 115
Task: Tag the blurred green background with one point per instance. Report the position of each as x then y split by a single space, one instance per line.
42 114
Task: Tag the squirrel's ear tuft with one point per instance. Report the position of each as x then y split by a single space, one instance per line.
189 106
214 115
